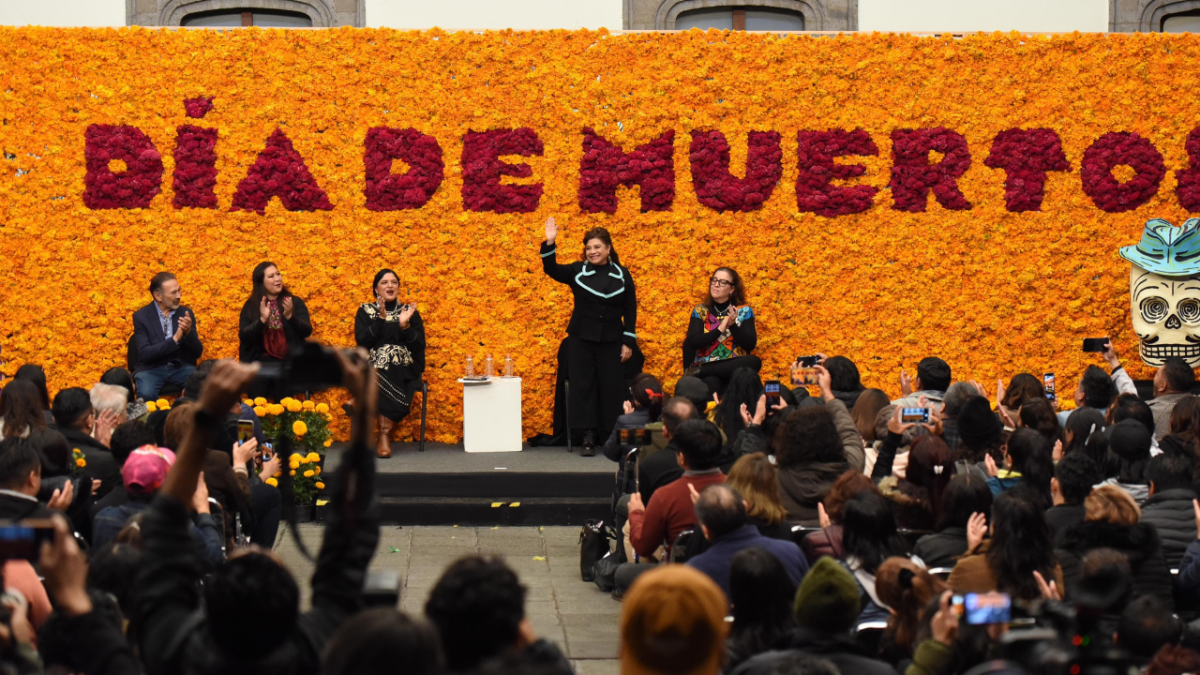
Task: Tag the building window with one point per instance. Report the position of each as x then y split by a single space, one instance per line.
740 18
234 18
1184 22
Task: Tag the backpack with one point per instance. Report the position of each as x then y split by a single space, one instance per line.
594 544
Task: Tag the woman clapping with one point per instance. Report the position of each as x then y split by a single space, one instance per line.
395 335
273 321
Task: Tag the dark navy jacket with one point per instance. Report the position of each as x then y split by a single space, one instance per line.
155 349
717 560
605 299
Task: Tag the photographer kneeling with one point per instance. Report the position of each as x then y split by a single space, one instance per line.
249 619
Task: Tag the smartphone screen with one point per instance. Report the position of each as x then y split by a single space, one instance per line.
23 540
914 415
268 451
771 388
245 430
987 608
1048 385
1094 344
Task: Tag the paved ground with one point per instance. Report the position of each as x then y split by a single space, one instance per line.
575 615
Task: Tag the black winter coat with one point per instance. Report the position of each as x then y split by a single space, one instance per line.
841 650
250 330
605 299
1139 542
941 549
1171 513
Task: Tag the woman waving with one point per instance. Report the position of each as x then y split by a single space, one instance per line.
602 331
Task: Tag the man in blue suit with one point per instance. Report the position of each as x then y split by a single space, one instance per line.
166 339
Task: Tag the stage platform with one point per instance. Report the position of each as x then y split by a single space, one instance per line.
447 486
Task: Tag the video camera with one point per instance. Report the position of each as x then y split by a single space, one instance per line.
313 367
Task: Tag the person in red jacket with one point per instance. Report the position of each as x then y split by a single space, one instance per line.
670 510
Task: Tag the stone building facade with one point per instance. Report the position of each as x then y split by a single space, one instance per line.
323 13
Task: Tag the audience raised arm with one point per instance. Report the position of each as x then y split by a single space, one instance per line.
250 612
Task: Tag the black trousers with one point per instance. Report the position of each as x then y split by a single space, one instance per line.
717 373
597 385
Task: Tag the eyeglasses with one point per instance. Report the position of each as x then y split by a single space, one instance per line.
719 283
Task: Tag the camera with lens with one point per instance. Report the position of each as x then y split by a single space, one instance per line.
312 367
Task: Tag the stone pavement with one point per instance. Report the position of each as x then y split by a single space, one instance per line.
576 615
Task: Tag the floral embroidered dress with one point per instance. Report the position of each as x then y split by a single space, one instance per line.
398 355
705 343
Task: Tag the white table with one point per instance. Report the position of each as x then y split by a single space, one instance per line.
492 414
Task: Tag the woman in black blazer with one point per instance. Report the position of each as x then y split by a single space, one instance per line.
273 321
601 334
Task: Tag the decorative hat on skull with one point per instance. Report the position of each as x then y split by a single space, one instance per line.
1164 291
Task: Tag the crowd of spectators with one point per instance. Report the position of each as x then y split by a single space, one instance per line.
805 533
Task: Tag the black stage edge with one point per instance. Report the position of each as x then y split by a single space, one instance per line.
447 486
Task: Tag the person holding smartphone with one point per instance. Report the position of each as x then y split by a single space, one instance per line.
601 334
394 334
721 333
273 321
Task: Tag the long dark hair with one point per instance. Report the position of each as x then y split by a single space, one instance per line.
257 278
21 407
761 593
1038 414
34 374
966 494
1020 544
737 296
603 235
1030 455
930 468
744 387
648 394
869 530
1022 388
1082 424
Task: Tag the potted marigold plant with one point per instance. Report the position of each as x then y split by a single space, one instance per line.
305 425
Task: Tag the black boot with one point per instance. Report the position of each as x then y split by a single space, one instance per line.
589 444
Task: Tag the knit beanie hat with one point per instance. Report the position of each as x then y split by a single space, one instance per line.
977 424
694 390
673 622
828 599
1130 440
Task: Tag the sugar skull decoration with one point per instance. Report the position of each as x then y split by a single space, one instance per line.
1164 291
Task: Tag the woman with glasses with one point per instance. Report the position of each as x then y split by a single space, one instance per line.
721 332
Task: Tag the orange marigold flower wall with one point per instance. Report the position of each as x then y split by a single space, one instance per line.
994 292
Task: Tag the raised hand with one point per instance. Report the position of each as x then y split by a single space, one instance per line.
382 305
1050 590
896 426
1058 451
224 386
979 388
551 230
825 382
905 383
760 409
105 423
406 315
822 516
990 465
65 568
62 497
936 426
1000 391
200 498
635 502
691 492
1110 355
287 307
945 622
1005 417
270 467
264 310
244 452
627 406
976 529
726 321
